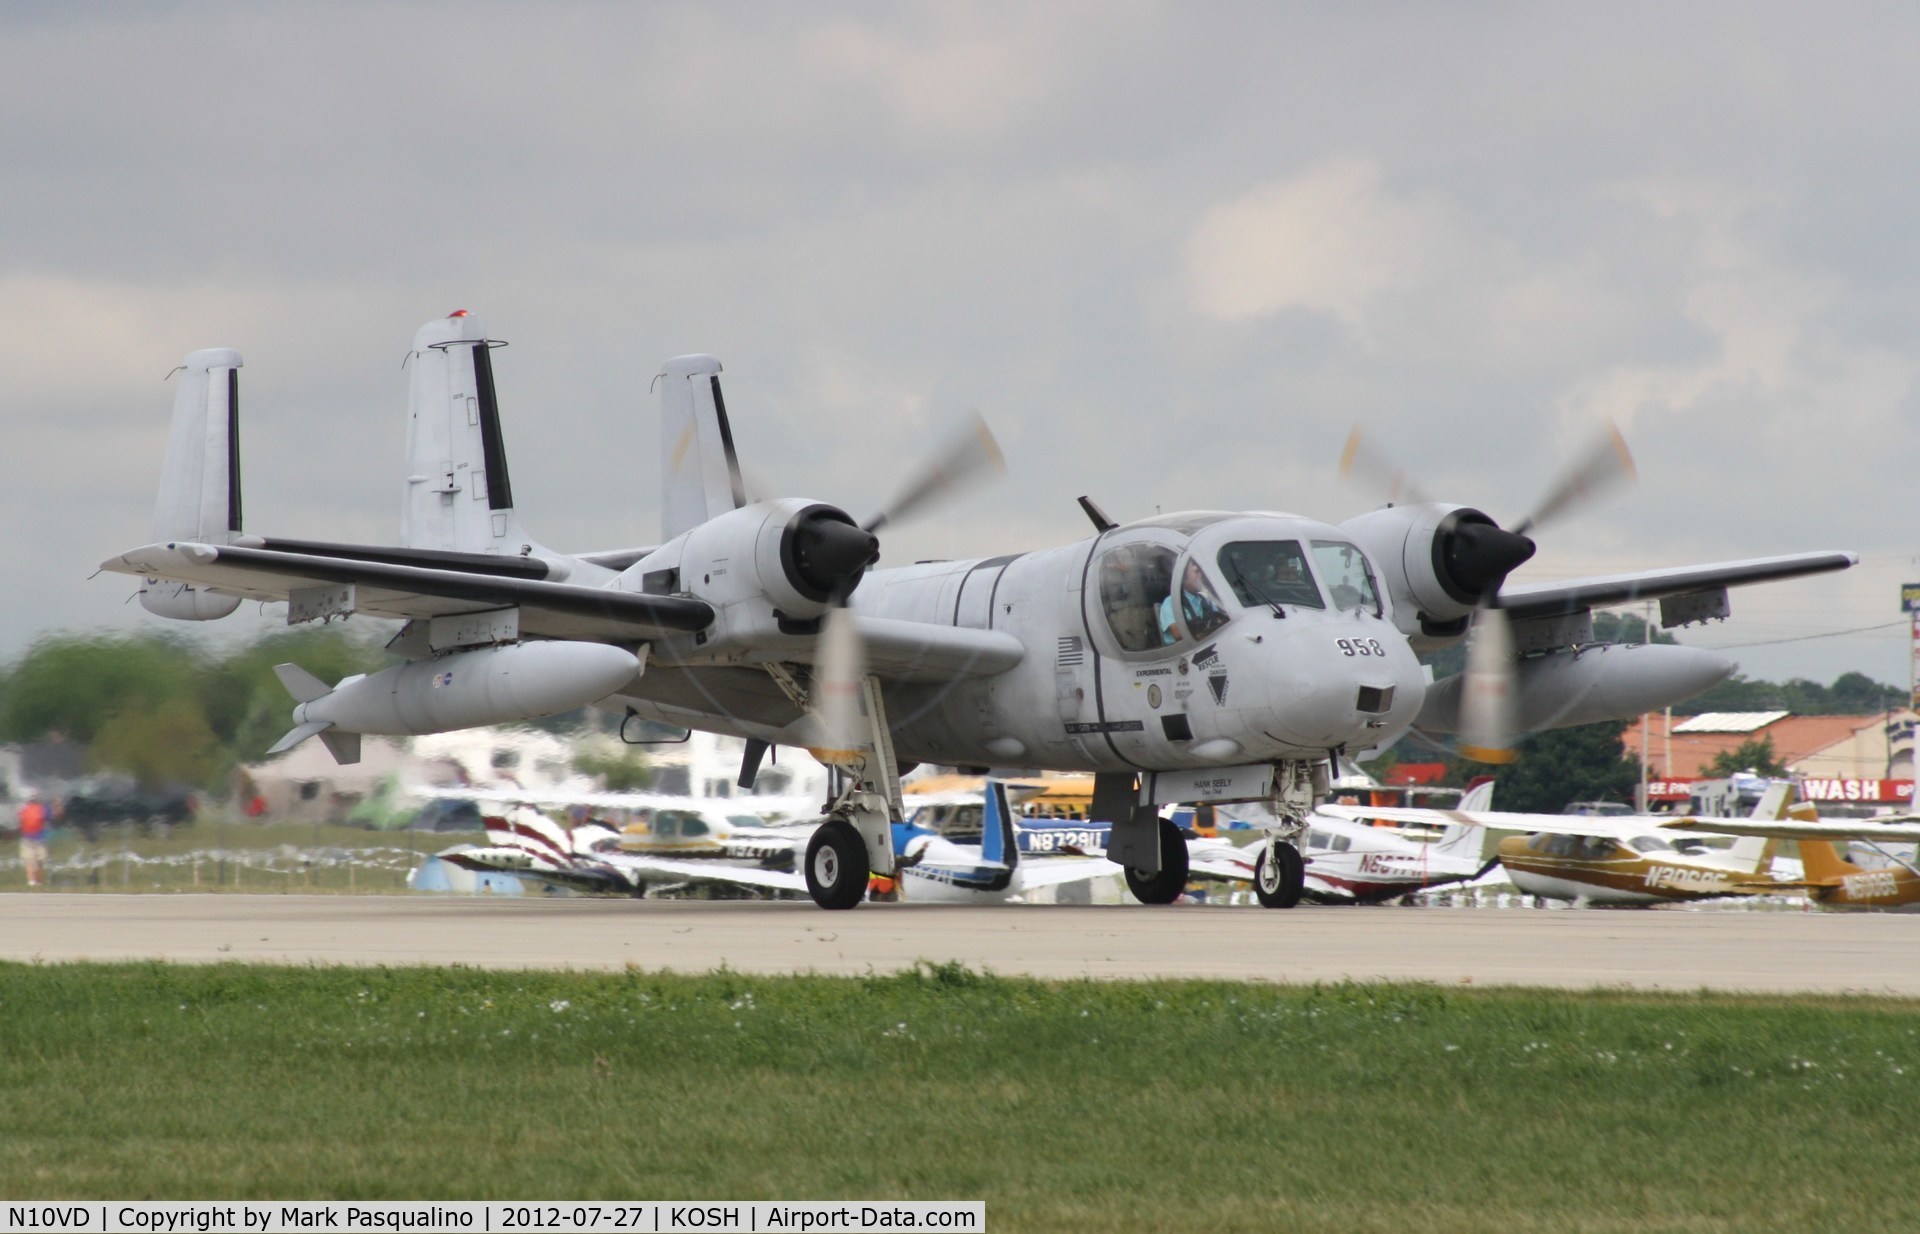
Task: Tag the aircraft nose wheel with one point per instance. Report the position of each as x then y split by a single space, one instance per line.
836 865
1165 886
1278 875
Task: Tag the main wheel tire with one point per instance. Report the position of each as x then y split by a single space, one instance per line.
1164 885
836 867
1279 875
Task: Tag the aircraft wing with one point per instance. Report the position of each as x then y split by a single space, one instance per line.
393 583
394 589
1524 600
807 806
1213 868
1905 827
1605 826
710 872
1057 871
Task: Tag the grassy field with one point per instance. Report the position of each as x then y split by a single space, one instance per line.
1066 1106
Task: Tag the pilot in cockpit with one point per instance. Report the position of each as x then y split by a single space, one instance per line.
1197 601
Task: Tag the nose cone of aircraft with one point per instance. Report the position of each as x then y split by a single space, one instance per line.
1341 684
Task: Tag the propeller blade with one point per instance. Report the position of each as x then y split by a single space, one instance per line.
1606 462
837 679
1487 703
969 453
1364 463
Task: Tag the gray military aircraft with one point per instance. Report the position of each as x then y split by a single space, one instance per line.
1195 657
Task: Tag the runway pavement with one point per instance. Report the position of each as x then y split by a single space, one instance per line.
1670 950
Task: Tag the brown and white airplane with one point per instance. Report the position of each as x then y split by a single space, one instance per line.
1829 879
1622 859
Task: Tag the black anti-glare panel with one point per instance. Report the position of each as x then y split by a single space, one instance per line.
233 449
494 450
726 444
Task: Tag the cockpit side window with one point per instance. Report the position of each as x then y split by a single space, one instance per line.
1343 568
1134 580
1269 572
1200 606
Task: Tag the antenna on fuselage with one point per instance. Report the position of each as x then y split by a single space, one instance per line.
1101 521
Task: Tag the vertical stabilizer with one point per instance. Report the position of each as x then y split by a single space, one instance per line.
199 497
1822 862
699 471
997 841
1756 852
1468 839
459 496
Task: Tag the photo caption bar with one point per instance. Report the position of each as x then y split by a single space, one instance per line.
488 1216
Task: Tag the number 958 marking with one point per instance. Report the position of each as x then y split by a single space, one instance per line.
1360 647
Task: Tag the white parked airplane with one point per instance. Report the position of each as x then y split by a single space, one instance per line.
1200 656
596 858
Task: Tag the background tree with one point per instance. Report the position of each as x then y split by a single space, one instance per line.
72 685
165 710
1749 755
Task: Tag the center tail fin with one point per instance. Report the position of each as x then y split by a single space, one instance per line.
459 496
699 470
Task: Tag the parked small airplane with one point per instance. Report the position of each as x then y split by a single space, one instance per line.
1616 859
1350 862
594 857
1828 878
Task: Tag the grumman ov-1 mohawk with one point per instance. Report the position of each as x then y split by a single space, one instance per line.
1206 656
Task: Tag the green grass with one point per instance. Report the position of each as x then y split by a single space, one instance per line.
1158 1105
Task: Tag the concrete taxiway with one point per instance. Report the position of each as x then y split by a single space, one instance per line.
1668 950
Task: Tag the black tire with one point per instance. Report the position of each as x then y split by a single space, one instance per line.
1164 886
836 867
1279 875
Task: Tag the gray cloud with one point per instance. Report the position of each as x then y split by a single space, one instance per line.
1173 254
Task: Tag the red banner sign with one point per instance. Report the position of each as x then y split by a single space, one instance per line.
1813 788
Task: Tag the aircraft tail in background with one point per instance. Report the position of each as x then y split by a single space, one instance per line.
699 471
199 500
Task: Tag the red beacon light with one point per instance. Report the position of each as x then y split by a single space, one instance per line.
458 313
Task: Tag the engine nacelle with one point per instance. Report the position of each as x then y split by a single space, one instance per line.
1440 562
795 555
1610 681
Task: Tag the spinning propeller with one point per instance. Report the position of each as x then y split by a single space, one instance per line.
844 552
1479 555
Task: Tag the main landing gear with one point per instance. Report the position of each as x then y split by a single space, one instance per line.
1162 886
836 865
1279 875
856 840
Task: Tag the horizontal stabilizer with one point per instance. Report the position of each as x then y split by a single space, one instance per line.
345 747
304 686
311 728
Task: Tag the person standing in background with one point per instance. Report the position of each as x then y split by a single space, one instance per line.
33 841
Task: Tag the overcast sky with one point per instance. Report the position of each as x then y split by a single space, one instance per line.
1173 253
